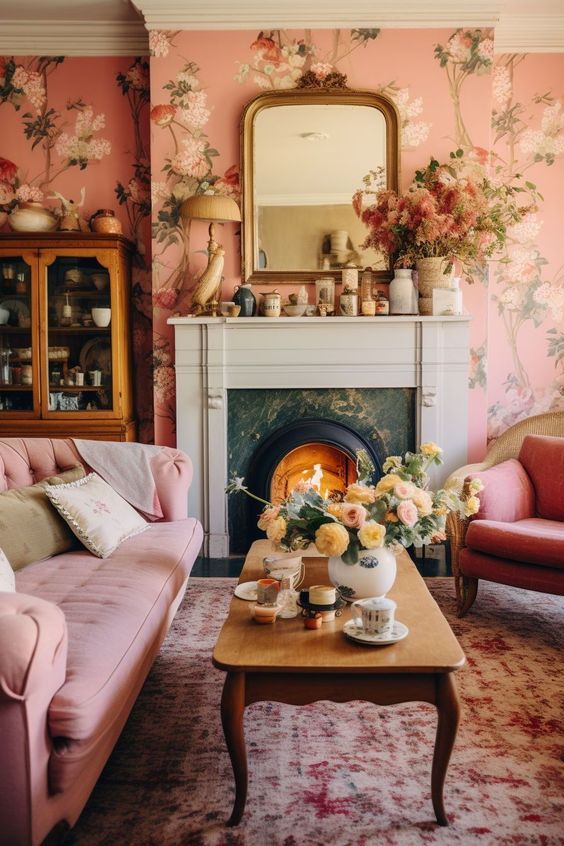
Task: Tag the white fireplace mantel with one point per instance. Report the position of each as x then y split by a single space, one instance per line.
214 355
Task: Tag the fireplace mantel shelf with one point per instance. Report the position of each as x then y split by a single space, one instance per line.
215 356
275 322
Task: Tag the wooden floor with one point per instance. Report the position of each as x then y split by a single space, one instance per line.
432 561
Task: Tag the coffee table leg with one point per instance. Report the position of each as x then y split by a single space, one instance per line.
232 710
448 707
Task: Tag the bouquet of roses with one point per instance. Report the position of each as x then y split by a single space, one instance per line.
398 510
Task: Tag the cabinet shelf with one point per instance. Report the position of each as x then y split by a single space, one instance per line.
106 411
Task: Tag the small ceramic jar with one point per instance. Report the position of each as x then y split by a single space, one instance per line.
105 222
349 302
272 304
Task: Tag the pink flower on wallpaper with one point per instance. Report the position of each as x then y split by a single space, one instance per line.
159 43
165 298
267 49
191 159
413 132
195 112
83 147
321 69
229 183
547 142
30 83
553 298
163 114
501 85
164 382
526 230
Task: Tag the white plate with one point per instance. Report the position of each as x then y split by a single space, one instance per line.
247 590
354 630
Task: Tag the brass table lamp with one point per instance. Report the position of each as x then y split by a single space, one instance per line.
217 209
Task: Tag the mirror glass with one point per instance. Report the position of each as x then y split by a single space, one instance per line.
304 156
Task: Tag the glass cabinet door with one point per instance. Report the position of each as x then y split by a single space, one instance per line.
18 358
79 337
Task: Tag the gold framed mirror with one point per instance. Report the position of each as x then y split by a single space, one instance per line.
303 155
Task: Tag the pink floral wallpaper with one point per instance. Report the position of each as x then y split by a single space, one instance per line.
80 127
84 123
504 112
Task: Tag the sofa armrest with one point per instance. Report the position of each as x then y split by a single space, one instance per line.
33 660
172 472
508 494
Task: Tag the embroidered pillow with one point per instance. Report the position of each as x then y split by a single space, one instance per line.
100 518
30 528
7 578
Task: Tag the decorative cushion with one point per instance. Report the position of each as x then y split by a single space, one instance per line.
543 459
30 529
100 518
7 578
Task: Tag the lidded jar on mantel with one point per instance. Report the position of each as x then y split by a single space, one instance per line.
105 222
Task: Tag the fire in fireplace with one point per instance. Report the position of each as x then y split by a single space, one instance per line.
328 468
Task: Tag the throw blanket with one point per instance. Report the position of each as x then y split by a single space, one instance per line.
130 475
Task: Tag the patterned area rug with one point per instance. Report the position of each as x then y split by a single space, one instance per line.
345 775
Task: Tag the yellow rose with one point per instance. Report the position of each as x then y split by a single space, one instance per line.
334 509
430 449
471 505
476 485
276 529
331 539
387 483
360 494
372 534
424 502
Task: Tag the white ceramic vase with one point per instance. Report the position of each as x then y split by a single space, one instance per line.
373 574
403 296
32 217
101 316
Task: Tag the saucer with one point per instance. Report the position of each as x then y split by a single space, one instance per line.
355 632
247 590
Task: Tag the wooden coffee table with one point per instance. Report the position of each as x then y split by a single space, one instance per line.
284 662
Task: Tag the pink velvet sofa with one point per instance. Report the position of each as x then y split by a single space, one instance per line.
517 536
77 640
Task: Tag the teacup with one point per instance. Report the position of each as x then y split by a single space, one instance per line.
376 614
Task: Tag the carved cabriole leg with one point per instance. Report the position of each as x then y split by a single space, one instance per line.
232 710
448 708
469 591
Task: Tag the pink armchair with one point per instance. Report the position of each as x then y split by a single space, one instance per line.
517 536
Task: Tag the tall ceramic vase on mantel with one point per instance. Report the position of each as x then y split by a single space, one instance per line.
431 274
373 574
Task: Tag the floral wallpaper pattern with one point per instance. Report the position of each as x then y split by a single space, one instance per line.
65 131
66 128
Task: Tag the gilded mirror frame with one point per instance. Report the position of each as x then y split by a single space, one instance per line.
293 97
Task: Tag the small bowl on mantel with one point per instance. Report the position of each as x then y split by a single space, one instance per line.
295 309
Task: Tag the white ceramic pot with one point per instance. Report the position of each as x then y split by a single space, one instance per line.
403 296
32 217
102 316
373 574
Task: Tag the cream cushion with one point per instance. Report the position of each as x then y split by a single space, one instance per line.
7 577
100 518
30 528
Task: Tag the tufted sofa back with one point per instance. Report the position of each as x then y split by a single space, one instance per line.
25 461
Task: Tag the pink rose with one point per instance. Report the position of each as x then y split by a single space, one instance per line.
352 515
268 516
407 512
404 490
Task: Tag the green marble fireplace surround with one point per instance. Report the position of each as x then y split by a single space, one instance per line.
383 416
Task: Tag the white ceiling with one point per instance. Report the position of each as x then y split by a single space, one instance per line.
116 27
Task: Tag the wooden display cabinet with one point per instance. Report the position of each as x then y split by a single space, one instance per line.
61 374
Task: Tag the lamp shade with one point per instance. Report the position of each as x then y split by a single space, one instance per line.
210 207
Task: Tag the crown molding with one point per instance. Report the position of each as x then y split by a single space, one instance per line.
530 34
73 38
317 14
